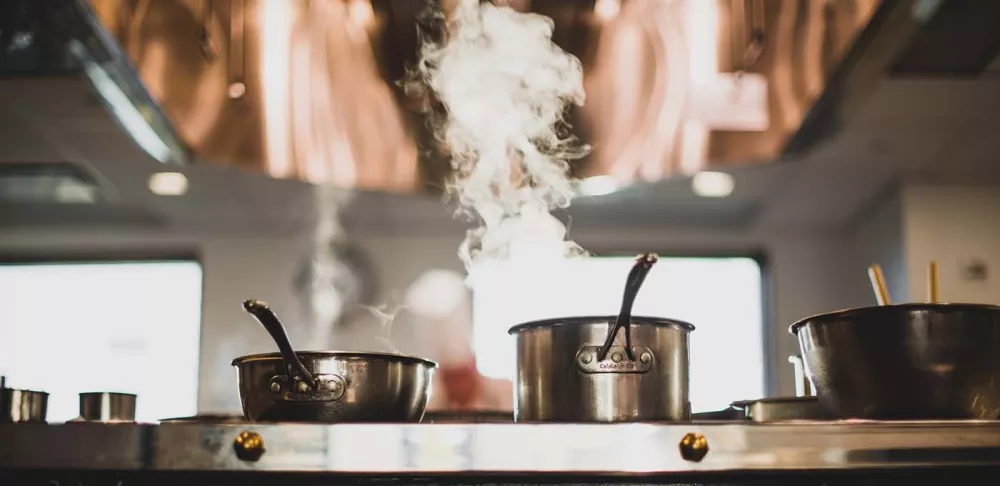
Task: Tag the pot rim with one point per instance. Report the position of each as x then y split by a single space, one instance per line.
840 314
120 394
348 355
25 391
570 321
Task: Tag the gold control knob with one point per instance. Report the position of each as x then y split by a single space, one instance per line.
694 447
249 446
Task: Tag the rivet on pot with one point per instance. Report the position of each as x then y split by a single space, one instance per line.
302 387
694 447
586 358
645 357
275 387
333 385
617 357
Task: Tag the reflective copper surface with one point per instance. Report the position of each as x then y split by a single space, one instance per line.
307 89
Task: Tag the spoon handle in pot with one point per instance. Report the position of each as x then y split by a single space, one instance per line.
633 283
269 320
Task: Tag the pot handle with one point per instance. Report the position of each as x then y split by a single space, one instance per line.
636 276
803 387
267 318
325 388
588 362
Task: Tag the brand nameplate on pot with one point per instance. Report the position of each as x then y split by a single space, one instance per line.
617 360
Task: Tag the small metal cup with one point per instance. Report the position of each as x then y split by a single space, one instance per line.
23 406
107 407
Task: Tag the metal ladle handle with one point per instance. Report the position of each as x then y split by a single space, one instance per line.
637 275
269 320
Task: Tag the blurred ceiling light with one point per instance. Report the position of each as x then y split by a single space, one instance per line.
607 10
712 184
598 185
361 13
168 184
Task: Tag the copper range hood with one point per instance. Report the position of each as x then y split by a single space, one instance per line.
306 89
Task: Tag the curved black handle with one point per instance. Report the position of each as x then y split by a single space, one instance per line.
643 264
269 320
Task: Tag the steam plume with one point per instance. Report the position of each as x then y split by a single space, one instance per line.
326 297
506 87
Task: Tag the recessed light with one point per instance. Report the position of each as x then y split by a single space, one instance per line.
598 185
168 184
712 184
606 10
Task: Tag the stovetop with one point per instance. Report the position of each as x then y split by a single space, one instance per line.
464 448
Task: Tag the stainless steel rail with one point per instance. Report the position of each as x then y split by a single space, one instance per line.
393 449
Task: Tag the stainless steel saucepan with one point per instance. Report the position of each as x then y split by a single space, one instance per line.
582 369
905 361
561 378
329 386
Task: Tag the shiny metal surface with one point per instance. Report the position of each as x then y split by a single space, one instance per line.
559 378
211 418
468 417
107 407
23 406
777 409
906 361
354 387
261 84
455 449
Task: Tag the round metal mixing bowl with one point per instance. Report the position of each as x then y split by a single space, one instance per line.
351 387
906 361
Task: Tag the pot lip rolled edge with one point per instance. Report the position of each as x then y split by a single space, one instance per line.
911 306
346 355
571 321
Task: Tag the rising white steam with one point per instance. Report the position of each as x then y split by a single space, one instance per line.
506 88
385 316
327 301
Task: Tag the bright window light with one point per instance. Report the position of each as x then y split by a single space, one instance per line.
720 296
90 327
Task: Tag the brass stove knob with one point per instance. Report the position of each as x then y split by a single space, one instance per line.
694 447
249 446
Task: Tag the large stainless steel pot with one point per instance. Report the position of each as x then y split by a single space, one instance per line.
559 377
905 361
350 387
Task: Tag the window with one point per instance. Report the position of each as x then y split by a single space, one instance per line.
129 327
720 296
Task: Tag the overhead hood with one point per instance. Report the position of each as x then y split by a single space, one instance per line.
307 89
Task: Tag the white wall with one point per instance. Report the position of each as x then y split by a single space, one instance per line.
809 273
878 239
952 225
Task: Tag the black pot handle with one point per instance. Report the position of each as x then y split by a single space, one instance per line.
269 320
643 264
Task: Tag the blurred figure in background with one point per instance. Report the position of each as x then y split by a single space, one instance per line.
442 310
